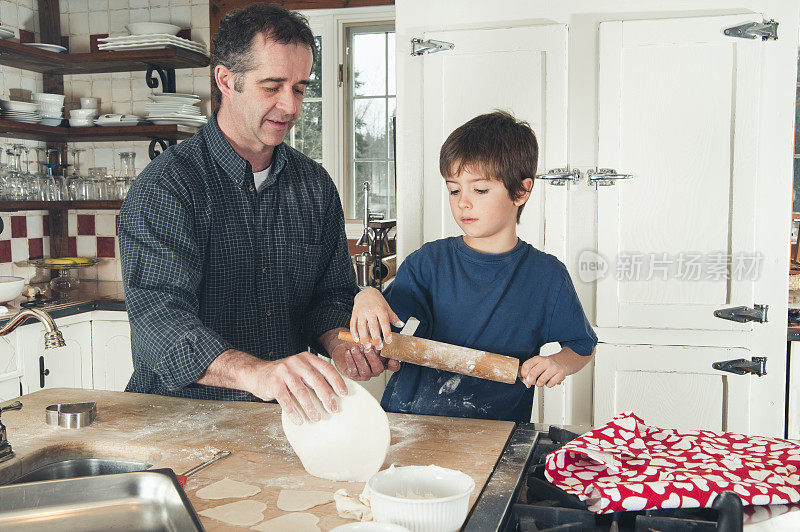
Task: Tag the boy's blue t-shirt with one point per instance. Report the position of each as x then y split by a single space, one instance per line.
510 303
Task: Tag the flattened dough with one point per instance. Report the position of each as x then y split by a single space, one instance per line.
298 522
226 488
298 500
349 445
239 513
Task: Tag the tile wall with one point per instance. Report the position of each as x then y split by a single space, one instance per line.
92 233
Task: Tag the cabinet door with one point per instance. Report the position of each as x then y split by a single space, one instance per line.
522 70
703 121
9 389
671 386
112 362
9 359
65 367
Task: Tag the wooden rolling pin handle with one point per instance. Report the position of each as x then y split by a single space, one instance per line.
438 355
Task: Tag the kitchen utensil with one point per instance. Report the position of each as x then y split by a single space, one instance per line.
49 47
71 415
421 498
135 502
16 405
216 458
438 355
89 102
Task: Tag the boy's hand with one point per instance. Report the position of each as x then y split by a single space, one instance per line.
542 371
372 319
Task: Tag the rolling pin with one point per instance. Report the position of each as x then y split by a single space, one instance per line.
438 355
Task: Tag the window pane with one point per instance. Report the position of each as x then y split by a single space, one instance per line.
392 88
390 135
375 173
314 89
392 192
369 64
369 120
308 130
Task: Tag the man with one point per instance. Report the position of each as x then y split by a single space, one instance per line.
234 255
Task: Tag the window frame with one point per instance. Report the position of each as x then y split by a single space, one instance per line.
331 25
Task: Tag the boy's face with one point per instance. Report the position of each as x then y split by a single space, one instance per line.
482 207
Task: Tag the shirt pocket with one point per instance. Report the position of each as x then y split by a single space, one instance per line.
301 268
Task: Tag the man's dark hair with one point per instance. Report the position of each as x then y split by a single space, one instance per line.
495 145
234 40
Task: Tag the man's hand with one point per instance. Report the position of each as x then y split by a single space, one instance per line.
279 380
542 371
296 376
360 364
372 319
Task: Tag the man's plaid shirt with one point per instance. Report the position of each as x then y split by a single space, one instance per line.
209 263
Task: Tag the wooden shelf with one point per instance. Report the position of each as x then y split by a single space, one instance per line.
25 57
9 128
6 205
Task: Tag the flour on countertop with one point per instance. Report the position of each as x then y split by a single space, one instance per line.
450 384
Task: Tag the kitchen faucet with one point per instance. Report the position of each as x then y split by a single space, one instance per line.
52 339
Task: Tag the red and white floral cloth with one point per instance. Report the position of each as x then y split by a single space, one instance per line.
627 465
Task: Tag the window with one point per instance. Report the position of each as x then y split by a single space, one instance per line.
347 124
370 108
306 135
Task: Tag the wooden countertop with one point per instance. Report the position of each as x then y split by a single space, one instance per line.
180 433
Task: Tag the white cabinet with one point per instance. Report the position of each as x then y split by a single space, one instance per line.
63 367
9 389
112 362
703 121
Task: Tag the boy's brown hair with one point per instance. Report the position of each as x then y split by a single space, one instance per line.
498 146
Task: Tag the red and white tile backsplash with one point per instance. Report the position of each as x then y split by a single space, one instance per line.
26 235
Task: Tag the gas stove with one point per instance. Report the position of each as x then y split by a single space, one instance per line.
518 498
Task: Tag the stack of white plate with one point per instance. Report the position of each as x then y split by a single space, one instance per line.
6 33
51 107
20 111
145 42
175 108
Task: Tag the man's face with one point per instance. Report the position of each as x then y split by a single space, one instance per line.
271 92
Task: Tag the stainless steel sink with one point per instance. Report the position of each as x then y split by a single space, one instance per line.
79 467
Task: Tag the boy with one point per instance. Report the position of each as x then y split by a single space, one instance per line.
486 290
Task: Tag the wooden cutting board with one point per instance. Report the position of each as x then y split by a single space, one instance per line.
180 433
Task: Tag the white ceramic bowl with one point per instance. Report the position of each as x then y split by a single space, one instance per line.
421 498
88 102
148 28
369 526
81 122
83 113
50 121
46 98
10 287
11 105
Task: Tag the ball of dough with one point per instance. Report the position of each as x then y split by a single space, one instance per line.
349 445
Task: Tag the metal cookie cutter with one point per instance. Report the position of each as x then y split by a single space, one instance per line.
71 415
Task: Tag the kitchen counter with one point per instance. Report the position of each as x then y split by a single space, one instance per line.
180 433
88 296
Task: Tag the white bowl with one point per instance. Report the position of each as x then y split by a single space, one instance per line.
46 98
88 102
421 498
11 105
50 121
10 287
83 113
369 526
148 28
81 122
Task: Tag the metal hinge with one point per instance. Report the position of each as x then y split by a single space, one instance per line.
605 176
743 314
340 81
753 30
742 366
430 46
561 176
